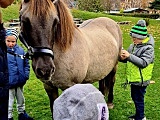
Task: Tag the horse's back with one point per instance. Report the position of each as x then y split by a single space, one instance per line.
102 25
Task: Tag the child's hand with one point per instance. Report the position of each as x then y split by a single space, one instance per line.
124 54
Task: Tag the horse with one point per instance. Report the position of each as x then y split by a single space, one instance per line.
63 54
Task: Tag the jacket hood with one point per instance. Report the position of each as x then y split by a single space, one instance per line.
151 40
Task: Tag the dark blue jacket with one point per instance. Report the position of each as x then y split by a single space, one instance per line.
3 64
4 90
18 68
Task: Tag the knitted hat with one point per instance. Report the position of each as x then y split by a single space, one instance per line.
12 32
139 30
80 102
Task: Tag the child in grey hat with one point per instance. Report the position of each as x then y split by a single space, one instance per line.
81 102
139 58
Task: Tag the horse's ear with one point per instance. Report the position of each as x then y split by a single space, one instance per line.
26 1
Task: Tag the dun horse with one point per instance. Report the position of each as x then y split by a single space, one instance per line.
63 54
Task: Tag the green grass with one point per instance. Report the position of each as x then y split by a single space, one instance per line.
11 12
37 102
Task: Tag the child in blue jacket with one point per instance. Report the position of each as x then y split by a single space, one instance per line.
18 69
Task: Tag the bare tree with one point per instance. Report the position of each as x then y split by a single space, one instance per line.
107 4
90 5
116 4
144 4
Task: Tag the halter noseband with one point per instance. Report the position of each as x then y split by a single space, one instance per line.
33 51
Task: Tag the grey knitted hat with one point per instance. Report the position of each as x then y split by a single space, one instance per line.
12 32
81 102
139 30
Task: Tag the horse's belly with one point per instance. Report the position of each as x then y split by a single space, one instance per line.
104 51
100 70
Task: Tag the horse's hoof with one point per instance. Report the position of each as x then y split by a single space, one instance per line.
110 105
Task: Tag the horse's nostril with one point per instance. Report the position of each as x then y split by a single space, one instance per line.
52 70
40 72
44 72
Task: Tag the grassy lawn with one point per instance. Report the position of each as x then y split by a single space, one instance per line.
37 102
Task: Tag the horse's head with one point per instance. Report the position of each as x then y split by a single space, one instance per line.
38 19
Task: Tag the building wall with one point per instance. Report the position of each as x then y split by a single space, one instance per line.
125 4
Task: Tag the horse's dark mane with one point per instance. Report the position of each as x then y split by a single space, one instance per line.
64 32
40 7
66 27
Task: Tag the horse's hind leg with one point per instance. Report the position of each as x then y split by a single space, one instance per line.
102 87
106 87
52 94
111 96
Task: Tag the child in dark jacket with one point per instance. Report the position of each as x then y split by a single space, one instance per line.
4 79
139 58
19 69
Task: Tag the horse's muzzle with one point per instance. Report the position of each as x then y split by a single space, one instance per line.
44 73
43 67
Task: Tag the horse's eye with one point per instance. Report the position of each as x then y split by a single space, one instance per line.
24 19
25 23
26 1
56 21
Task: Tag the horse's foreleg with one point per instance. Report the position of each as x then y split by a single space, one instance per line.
52 94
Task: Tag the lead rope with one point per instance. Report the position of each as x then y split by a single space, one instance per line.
15 54
124 85
141 76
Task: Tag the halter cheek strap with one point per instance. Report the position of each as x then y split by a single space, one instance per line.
35 51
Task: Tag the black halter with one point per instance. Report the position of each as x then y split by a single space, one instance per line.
35 51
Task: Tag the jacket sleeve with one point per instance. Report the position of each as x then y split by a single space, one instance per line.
145 59
2 37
